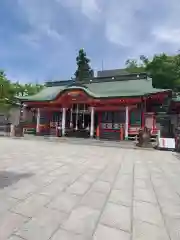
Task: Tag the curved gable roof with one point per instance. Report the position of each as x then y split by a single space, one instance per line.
107 89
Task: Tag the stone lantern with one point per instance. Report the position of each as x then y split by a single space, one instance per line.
144 139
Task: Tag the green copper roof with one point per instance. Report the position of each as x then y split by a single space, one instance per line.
99 89
47 94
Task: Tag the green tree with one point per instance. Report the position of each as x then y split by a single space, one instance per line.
6 92
9 90
26 89
18 89
165 71
132 66
84 70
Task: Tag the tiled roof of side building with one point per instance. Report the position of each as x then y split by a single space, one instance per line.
176 99
100 88
112 72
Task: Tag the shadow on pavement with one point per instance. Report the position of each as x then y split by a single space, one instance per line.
9 178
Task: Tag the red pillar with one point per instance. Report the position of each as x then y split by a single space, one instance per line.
99 124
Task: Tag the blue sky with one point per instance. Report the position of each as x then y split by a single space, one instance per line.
39 39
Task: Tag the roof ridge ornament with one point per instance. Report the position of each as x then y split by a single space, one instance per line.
76 84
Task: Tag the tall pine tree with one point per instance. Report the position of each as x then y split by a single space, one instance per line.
84 71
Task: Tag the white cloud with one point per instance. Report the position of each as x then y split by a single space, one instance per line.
119 20
69 3
167 35
39 15
116 31
134 24
141 23
89 8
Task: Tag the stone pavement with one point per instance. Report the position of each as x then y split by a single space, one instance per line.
62 191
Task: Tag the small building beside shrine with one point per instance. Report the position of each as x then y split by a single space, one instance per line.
109 106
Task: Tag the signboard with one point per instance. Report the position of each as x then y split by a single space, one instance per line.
167 143
74 96
74 93
111 126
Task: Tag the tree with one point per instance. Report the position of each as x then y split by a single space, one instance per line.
132 66
26 89
6 91
144 60
9 90
18 89
164 69
84 70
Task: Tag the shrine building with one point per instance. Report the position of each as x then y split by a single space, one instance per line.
106 107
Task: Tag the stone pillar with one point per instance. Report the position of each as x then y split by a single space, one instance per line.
63 121
127 123
38 121
92 123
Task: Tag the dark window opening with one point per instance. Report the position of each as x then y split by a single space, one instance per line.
135 117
